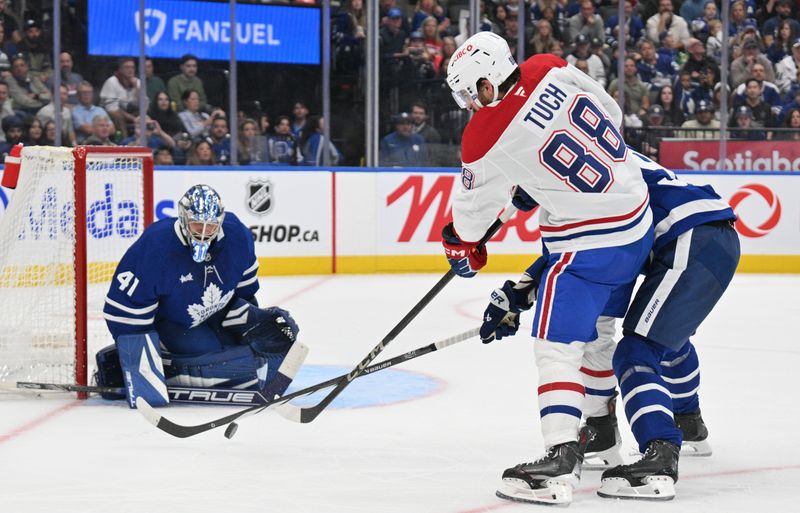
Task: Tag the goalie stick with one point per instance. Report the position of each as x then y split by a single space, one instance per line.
307 414
182 431
191 395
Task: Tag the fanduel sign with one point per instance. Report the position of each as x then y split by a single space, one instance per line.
172 28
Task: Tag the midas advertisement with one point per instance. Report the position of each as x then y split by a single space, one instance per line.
412 209
288 213
415 207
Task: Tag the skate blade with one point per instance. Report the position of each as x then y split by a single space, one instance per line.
696 449
553 493
655 488
602 460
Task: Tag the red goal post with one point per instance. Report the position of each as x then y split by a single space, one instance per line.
70 219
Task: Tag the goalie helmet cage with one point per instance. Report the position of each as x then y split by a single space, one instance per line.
72 216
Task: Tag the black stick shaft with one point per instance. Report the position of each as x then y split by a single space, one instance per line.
182 431
308 414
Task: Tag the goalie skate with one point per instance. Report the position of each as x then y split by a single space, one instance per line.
695 434
548 480
651 478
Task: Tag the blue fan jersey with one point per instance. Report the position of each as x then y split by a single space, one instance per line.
158 280
679 206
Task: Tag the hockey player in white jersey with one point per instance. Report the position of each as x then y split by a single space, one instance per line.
551 131
187 287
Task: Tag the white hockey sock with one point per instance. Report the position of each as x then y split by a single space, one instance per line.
598 373
561 390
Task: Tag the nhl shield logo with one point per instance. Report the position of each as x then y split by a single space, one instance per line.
259 197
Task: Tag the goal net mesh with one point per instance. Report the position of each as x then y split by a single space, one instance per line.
37 258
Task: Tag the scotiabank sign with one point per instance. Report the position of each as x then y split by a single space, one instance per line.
741 155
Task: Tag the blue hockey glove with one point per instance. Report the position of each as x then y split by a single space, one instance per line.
465 258
522 200
501 317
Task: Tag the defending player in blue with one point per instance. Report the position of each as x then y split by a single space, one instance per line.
183 312
695 253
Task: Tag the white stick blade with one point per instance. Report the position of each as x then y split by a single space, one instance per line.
289 412
147 411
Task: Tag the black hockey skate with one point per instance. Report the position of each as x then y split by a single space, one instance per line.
651 478
550 479
695 434
603 449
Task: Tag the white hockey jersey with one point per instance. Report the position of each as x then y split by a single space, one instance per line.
555 135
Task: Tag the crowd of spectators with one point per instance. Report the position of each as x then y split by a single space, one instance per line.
181 126
671 53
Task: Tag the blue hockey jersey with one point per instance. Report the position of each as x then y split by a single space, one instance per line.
679 206
157 279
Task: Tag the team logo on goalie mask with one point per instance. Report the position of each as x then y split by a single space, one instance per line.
259 197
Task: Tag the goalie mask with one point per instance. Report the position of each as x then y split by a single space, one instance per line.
200 213
485 55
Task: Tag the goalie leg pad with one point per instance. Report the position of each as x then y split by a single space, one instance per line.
142 369
233 367
238 367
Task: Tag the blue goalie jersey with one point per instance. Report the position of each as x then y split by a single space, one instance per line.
157 279
679 206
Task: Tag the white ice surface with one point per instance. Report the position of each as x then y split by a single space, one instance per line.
438 454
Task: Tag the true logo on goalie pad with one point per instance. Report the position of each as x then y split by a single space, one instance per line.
259 197
214 396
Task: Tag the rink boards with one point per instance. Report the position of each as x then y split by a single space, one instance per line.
359 220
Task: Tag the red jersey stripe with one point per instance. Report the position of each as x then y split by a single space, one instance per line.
602 220
544 316
562 385
598 373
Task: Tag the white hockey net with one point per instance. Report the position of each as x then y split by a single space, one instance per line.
38 282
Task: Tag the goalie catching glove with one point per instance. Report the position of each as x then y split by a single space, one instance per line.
501 317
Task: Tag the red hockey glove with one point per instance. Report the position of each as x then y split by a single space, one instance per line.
465 258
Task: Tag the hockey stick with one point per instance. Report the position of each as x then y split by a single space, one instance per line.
192 395
307 414
182 431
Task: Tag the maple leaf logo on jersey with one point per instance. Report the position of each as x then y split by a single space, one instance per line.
213 302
